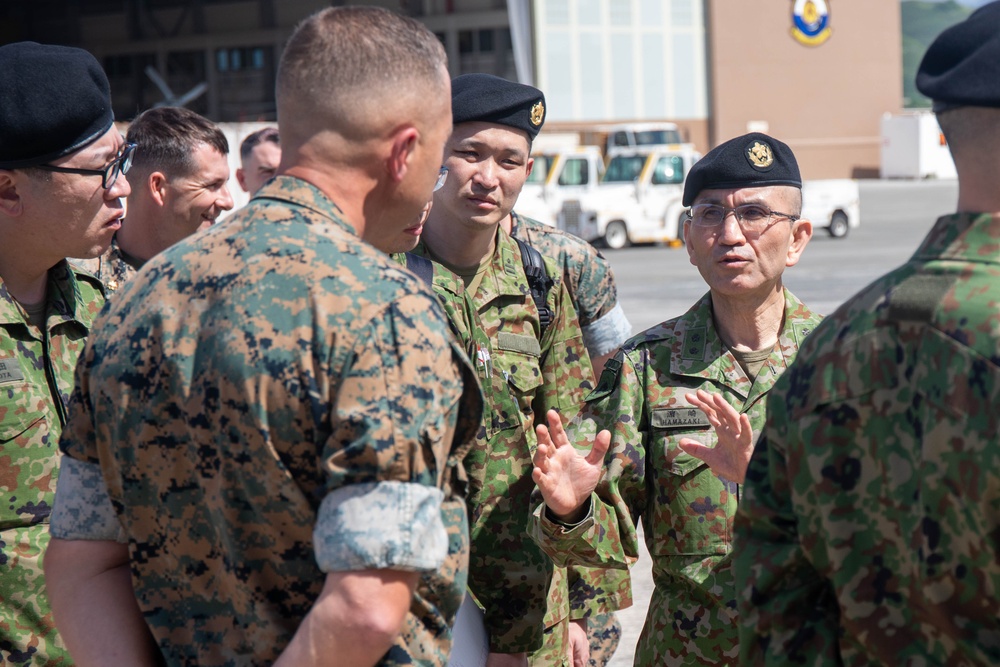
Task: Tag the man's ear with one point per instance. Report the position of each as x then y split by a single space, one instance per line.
10 199
156 185
241 179
802 231
404 142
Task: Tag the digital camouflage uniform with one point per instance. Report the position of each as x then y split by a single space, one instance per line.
268 403
510 576
36 377
111 268
686 510
590 283
870 528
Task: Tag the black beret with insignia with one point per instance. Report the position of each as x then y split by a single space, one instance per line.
962 66
54 101
490 99
752 161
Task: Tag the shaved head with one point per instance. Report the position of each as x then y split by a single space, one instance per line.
355 71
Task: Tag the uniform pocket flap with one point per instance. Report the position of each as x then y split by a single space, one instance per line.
519 343
13 425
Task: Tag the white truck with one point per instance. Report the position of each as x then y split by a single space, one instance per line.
637 201
913 146
631 137
559 175
833 204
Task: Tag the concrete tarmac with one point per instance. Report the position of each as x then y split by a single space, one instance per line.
656 283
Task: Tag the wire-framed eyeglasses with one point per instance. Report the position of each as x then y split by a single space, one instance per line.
751 217
108 173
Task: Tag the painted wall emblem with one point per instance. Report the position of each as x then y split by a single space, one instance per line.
811 22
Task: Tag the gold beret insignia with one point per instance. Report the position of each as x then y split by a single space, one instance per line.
760 155
537 113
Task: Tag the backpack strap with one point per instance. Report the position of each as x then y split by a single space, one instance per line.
421 266
538 281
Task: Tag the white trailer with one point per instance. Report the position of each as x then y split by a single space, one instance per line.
914 147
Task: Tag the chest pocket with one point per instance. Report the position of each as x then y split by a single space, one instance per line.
519 363
690 510
19 401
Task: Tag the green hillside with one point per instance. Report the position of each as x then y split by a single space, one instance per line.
922 22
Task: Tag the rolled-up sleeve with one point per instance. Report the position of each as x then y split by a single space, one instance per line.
82 509
608 333
384 525
395 415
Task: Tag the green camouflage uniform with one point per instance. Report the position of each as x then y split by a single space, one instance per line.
870 529
510 576
686 510
111 268
268 403
590 282
36 378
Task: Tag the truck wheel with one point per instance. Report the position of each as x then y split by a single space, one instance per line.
838 225
616 236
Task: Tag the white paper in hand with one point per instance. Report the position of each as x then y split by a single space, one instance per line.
470 643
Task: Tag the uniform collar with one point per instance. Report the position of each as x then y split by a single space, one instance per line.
305 194
963 236
64 303
699 351
506 274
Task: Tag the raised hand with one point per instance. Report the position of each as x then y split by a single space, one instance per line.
731 455
565 476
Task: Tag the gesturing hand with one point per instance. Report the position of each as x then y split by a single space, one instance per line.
731 455
565 476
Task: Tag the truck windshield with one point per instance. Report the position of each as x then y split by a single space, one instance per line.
543 164
653 137
575 172
624 168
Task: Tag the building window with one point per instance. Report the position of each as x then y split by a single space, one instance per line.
466 42
239 59
485 41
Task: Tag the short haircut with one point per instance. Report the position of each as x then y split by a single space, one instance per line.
254 139
166 137
343 64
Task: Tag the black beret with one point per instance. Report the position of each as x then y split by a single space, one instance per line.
751 161
962 66
54 101
489 98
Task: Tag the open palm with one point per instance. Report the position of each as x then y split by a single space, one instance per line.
565 476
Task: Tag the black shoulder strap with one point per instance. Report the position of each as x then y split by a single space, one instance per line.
538 281
421 266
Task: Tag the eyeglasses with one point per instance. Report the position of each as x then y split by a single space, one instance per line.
751 217
442 177
108 173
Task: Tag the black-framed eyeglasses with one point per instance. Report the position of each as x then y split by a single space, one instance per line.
442 177
751 217
108 173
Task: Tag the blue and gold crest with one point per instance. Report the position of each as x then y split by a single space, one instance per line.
811 22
